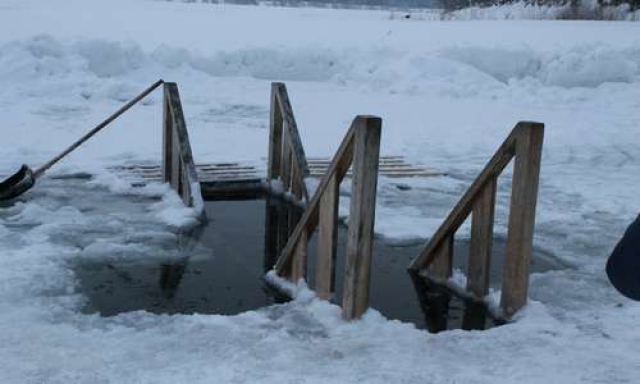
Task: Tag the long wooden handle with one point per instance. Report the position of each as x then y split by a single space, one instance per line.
97 129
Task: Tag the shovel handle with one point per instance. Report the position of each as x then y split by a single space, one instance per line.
97 129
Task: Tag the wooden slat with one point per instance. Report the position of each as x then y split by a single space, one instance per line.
442 265
175 162
202 178
275 136
361 217
233 189
295 184
479 264
462 209
524 196
285 161
327 240
312 159
395 165
238 167
167 145
299 264
394 174
199 172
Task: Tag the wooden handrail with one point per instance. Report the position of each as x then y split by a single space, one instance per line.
287 160
525 144
309 221
178 167
462 209
360 146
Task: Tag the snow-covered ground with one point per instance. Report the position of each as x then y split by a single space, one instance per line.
449 93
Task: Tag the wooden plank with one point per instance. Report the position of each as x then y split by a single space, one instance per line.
285 161
327 240
340 164
479 264
167 146
271 250
185 188
462 209
393 174
244 189
200 172
202 177
275 136
316 166
295 183
361 217
175 163
442 266
524 196
299 265
311 159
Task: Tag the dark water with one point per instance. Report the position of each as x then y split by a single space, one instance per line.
224 265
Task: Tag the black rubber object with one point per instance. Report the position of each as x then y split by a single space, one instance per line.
623 266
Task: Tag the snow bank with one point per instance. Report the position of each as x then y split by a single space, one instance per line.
478 67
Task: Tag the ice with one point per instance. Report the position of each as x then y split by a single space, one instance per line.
448 92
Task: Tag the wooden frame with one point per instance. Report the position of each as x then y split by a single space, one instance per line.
361 145
287 160
525 144
178 168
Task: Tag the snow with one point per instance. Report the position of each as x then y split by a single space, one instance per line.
449 93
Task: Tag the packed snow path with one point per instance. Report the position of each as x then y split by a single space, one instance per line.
448 93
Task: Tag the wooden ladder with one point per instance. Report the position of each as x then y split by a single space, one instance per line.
360 146
525 144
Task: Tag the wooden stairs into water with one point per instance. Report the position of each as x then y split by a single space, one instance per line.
287 170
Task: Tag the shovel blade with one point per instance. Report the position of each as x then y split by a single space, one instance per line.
17 184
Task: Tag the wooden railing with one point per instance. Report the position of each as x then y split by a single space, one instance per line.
361 146
525 144
178 168
287 160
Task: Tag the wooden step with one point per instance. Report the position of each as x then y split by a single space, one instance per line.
238 172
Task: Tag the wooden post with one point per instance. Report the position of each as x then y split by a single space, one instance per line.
271 250
285 160
167 138
283 234
361 216
442 265
479 265
275 135
327 240
299 262
524 196
175 163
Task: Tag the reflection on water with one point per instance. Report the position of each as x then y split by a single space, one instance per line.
223 265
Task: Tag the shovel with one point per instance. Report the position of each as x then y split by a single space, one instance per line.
25 178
